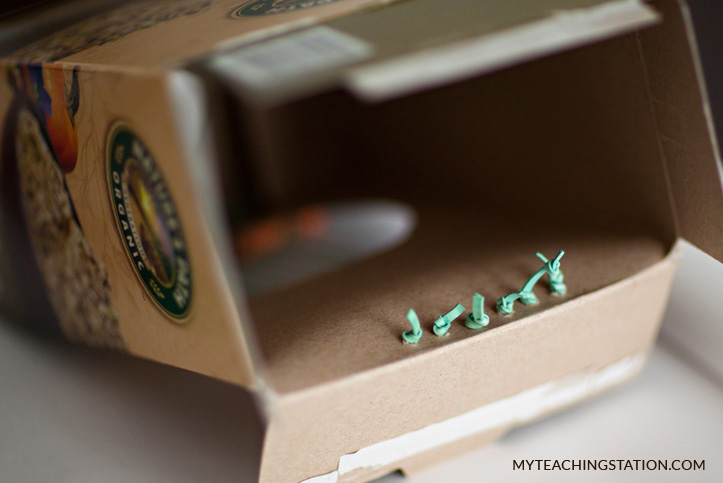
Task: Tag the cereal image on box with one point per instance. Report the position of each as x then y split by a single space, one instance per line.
45 147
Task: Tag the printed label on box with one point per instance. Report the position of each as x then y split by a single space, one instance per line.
148 222
287 59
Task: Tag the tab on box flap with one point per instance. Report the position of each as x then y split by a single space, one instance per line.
432 42
419 44
685 128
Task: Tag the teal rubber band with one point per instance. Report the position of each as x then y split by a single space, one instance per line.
444 322
477 319
412 336
505 305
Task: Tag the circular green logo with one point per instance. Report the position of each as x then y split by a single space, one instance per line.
268 7
148 222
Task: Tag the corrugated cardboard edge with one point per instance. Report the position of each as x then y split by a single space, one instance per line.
505 413
562 30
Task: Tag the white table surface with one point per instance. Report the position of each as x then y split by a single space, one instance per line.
70 414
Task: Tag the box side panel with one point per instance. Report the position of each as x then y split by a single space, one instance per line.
685 126
107 214
570 130
314 429
555 154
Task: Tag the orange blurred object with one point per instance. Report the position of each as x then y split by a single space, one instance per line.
262 238
271 234
312 221
60 127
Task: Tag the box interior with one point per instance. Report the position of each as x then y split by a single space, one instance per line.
560 153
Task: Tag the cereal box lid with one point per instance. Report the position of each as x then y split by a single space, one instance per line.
161 33
412 46
686 133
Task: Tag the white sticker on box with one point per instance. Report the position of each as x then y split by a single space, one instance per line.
291 57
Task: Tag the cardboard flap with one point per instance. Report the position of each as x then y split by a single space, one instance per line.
192 111
113 32
419 44
685 127
443 41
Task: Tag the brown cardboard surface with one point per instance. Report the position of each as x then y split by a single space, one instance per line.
687 139
517 168
501 142
337 325
314 427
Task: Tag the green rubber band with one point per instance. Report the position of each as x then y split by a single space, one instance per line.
505 305
477 319
412 336
444 322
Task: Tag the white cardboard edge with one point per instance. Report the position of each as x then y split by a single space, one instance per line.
511 411
190 108
224 46
563 29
